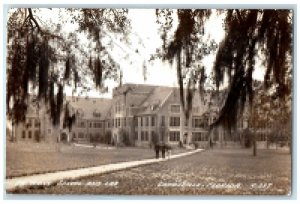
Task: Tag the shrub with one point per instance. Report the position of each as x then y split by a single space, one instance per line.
124 138
180 144
196 145
107 137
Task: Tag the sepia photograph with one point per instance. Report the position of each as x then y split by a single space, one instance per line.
149 101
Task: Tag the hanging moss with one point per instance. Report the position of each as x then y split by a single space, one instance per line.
60 100
31 57
76 78
69 119
98 72
32 48
67 69
17 85
52 103
44 64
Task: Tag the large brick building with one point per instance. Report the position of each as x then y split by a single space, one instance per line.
153 113
90 114
136 115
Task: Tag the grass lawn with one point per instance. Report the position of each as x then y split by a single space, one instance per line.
31 158
213 172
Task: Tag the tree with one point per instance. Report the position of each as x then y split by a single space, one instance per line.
36 50
41 56
249 34
271 115
187 47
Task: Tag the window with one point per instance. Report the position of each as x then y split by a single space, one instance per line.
80 135
174 121
174 136
91 124
23 134
199 122
97 115
175 108
29 134
162 120
29 124
195 109
196 122
81 124
118 107
141 119
147 121
97 125
199 136
152 121
36 123
196 136
144 136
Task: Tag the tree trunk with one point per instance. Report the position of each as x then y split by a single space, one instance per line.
254 146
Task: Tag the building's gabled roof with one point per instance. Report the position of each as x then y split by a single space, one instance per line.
154 101
135 93
134 88
90 106
160 95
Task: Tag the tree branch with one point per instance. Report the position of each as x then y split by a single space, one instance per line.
33 19
239 15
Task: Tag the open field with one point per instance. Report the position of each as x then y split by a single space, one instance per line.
213 172
31 158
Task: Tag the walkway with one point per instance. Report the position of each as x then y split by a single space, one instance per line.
52 178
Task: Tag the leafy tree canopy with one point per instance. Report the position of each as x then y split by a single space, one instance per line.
249 35
47 59
42 56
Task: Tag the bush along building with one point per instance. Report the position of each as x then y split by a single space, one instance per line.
137 115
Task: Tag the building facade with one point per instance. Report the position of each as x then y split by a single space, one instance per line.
88 126
145 115
139 115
